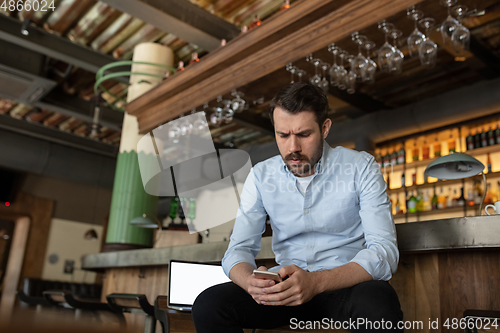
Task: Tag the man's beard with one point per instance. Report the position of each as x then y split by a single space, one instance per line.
305 165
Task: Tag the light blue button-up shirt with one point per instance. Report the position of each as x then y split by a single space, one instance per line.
344 216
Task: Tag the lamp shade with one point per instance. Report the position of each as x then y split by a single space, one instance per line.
454 166
144 222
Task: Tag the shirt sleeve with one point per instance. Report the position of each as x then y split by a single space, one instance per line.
381 256
249 226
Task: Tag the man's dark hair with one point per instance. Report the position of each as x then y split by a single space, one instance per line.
301 96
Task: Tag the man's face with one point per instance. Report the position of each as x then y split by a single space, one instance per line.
300 140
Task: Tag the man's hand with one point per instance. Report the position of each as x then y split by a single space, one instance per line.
255 286
299 288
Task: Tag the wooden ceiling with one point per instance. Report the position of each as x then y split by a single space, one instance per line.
255 62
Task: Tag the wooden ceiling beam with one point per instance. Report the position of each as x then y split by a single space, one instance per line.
332 27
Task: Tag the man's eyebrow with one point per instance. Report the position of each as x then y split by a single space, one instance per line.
306 131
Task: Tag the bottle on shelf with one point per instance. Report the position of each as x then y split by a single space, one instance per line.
427 206
399 210
401 154
434 200
489 198
452 200
461 198
449 199
174 203
378 158
470 140
425 151
452 148
497 134
488 163
386 158
441 200
414 178
478 193
403 179
420 202
470 196
491 137
477 140
414 152
394 157
437 147
484 138
412 204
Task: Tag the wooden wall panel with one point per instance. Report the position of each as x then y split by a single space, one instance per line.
404 284
469 279
40 212
427 288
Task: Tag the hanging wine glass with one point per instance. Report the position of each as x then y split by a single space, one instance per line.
334 50
216 117
185 125
416 37
371 68
227 112
350 79
316 79
174 132
200 123
450 24
238 103
461 35
301 73
428 49
359 63
386 52
341 72
292 69
398 56
324 84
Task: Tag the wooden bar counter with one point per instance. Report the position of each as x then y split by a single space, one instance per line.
446 266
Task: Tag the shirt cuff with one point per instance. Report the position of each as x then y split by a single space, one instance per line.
374 264
236 257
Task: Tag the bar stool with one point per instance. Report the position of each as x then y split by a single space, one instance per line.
38 302
476 315
135 304
161 313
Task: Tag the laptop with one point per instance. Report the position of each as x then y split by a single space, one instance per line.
186 280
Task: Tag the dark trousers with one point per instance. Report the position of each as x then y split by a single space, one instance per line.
228 308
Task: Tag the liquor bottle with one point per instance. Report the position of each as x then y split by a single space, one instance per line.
401 155
174 203
437 147
182 216
420 202
491 137
441 200
484 138
451 200
386 159
461 199
452 144
477 140
398 207
477 193
403 179
394 157
427 202
425 151
434 201
470 196
414 178
192 209
497 135
412 204
470 141
378 158
414 151
489 198
488 162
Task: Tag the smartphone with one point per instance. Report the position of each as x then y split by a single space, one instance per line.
267 275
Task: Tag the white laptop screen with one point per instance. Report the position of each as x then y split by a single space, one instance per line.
187 280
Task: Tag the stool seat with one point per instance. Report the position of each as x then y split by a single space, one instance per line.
35 301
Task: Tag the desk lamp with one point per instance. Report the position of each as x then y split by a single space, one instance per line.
457 166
